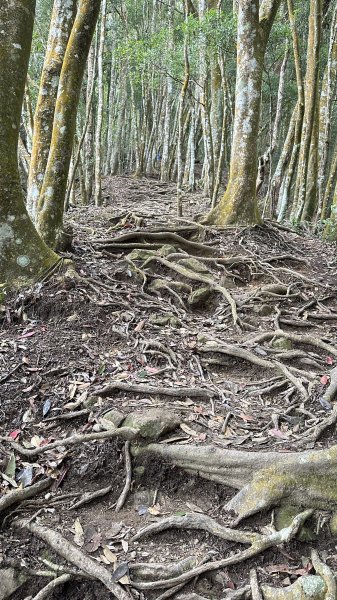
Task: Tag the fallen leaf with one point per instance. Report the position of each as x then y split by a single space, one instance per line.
125 545
110 556
329 360
11 466
120 571
188 430
325 379
79 533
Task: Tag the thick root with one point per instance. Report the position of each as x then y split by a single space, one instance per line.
264 479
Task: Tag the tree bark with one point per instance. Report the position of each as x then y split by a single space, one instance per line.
239 204
60 27
23 255
51 202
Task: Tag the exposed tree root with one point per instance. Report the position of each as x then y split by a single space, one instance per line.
74 440
72 554
199 521
290 373
19 495
51 586
142 388
150 571
264 479
205 279
300 339
122 499
132 239
262 544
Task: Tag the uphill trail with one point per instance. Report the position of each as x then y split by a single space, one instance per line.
165 393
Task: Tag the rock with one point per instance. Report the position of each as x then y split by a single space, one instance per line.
163 320
167 249
153 423
112 419
282 344
199 297
10 581
90 401
140 254
310 587
264 310
192 264
285 515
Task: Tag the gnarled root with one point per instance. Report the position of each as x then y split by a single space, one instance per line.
257 547
264 479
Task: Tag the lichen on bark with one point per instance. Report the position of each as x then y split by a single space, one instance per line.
239 204
51 202
23 255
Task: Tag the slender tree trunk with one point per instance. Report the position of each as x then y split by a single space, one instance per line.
311 81
60 27
51 202
23 255
180 121
99 120
165 159
89 136
325 106
239 204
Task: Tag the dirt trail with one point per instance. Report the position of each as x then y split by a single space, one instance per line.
140 321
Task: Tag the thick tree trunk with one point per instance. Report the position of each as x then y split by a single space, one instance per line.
23 255
51 202
60 27
239 204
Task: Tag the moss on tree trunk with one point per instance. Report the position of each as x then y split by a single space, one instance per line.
51 201
239 204
23 255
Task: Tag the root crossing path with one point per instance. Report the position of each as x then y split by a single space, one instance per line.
168 411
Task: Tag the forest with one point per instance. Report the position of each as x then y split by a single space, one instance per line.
168 299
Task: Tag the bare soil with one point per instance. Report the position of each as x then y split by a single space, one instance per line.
69 336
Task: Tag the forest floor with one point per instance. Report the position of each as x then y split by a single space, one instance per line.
123 322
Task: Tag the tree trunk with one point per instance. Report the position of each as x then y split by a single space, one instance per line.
239 204
311 81
23 255
60 27
99 122
51 202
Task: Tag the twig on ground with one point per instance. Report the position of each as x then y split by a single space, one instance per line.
90 496
74 440
122 499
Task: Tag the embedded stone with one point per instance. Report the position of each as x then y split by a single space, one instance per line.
264 310
192 264
199 297
153 423
310 587
285 515
282 344
113 418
